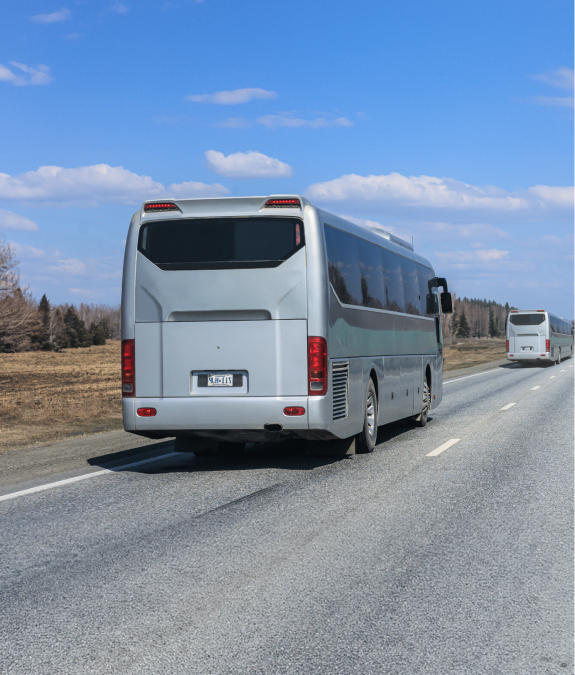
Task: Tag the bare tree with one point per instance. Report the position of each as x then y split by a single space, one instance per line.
19 318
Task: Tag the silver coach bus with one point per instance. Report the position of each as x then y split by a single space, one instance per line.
260 318
536 335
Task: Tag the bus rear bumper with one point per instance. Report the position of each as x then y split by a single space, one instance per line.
528 357
214 413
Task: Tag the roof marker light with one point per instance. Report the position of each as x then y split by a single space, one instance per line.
282 203
160 206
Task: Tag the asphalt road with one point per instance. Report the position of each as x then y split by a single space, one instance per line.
396 562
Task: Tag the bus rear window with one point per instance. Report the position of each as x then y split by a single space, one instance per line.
526 319
220 243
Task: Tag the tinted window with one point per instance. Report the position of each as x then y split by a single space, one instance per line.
424 275
220 243
371 269
343 265
393 283
526 319
410 286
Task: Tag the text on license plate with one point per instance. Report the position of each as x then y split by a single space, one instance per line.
220 380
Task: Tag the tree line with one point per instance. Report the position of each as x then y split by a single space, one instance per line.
26 324
476 318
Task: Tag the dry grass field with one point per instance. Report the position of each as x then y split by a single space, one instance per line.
46 396
465 353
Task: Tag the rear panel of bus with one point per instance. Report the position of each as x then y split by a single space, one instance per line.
527 336
220 318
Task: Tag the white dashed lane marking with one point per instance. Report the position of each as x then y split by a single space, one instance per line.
443 447
552 377
506 407
537 387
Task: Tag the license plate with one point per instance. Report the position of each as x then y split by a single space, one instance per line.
221 380
526 349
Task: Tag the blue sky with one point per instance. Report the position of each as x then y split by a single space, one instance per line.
449 122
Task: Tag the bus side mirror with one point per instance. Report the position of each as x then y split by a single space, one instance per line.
432 304
446 303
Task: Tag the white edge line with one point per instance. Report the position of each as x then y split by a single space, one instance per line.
506 407
537 387
456 379
66 481
443 447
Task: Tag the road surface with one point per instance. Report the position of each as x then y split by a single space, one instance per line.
454 562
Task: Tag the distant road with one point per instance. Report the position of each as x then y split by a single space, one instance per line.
449 550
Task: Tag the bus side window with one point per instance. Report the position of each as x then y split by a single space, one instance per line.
410 286
424 274
372 294
343 265
393 283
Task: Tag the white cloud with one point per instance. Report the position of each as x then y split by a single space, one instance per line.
482 256
70 267
249 164
289 120
234 123
563 78
553 101
63 15
192 189
28 75
87 292
91 185
119 8
25 252
405 195
14 221
232 97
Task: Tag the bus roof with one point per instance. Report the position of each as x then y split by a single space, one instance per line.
276 204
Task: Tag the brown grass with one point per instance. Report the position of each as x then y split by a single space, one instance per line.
465 353
45 396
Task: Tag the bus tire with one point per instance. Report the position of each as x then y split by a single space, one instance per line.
421 419
559 356
366 440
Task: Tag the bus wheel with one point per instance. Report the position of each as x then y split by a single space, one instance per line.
559 356
231 450
366 440
421 419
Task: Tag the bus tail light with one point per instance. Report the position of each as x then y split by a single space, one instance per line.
128 368
317 366
294 411
506 345
147 412
547 345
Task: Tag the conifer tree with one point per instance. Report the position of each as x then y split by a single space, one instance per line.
463 327
43 336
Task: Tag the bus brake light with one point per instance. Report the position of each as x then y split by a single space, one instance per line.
547 345
317 366
506 345
160 206
128 368
282 204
